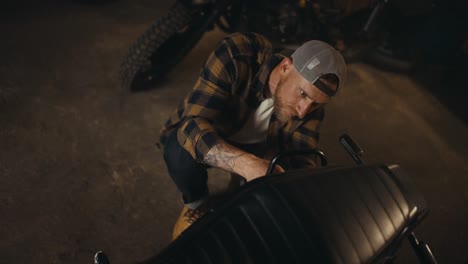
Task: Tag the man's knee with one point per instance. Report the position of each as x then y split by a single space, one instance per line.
176 157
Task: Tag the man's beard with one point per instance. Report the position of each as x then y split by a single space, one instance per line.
278 105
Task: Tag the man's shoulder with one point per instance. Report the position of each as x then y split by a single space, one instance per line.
248 37
243 44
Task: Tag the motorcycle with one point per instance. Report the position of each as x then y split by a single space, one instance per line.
284 22
358 214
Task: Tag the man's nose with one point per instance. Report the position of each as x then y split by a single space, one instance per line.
302 108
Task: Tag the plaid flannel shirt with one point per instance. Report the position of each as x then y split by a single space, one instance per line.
231 85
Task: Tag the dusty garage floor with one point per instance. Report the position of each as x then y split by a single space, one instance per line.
79 170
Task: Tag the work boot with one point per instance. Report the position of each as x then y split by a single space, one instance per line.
187 218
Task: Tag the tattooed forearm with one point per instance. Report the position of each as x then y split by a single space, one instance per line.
232 159
224 156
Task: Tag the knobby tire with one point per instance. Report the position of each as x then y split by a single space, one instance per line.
136 67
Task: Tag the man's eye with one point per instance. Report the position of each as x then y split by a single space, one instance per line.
302 93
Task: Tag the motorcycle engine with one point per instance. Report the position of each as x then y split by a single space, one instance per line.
293 21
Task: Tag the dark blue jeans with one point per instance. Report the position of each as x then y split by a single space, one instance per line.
189 176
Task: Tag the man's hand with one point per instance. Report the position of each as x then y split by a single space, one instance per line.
255 167
232 159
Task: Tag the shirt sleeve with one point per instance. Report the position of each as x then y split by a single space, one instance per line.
306 136
204 104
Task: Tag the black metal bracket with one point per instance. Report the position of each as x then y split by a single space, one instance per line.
353 149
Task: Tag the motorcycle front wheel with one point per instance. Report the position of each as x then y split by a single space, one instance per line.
156 52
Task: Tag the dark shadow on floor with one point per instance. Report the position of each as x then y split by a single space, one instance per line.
448 83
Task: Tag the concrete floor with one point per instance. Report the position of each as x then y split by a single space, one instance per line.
78 163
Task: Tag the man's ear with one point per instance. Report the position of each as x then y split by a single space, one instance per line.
286 64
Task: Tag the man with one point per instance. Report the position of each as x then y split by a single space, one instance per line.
246 106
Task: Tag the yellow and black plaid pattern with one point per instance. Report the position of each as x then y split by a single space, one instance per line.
232 84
